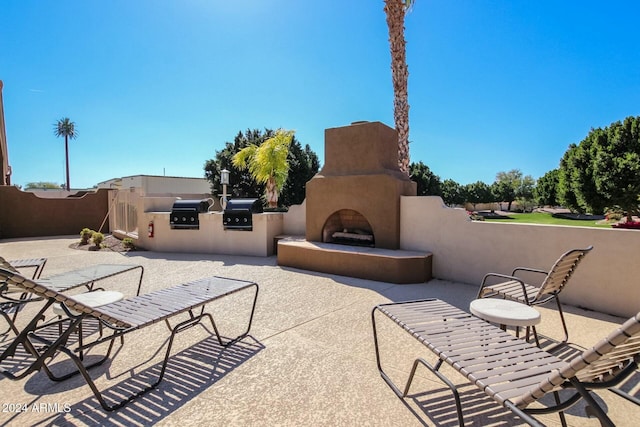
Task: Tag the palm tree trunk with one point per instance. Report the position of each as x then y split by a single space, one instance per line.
66 155
395 11
272 192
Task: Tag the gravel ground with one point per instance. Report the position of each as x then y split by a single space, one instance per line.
110 243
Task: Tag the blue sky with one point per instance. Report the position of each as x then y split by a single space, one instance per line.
157 86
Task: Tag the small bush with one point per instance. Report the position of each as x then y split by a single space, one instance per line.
475 216
85 235
97 238
614 216
127 242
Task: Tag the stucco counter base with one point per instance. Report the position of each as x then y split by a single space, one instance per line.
385 265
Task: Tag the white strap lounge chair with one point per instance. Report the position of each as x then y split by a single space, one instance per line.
511 371
119 318
553 282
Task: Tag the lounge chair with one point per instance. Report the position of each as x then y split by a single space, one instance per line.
10 305
36 263
13 299
119 318
511 371
554 281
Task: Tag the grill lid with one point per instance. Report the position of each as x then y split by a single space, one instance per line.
195 205
244 205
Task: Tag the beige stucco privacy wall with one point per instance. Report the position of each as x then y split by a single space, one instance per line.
607 280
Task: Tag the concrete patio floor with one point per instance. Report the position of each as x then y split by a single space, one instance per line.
309 359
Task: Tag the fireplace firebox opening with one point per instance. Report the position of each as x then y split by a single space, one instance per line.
348 227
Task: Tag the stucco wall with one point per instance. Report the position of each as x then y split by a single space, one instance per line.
607 280
23 214
294 221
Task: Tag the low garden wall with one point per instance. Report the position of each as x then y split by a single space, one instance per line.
607 280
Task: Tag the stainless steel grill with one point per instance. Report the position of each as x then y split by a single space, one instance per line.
184 214
238 214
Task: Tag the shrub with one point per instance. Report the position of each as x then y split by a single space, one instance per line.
475 216
85 235
97 239
614 214
127 242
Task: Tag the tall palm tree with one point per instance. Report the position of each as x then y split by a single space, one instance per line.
67 128
268 163
395 10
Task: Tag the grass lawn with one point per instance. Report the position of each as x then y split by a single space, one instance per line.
547 218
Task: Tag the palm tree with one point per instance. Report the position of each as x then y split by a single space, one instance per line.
67 128
268 163
395 10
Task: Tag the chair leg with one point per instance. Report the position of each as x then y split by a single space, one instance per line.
10 322
564 324
592 408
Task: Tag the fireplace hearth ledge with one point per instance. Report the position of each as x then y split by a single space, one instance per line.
384 265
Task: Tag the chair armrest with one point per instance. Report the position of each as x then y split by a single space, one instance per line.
532 270
502 276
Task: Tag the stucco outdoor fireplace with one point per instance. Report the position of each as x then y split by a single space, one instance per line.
355 201
359 187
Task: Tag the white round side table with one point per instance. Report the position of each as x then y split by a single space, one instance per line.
506 313
91 299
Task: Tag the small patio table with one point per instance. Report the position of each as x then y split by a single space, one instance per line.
90 299
506 313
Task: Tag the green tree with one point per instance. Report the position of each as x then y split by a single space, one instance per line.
395 11
268 163
477 192
43 184
577 185
242 184
452 193
506 186
429 184
303 165
524 192
616 169
67 128
545 191
565 190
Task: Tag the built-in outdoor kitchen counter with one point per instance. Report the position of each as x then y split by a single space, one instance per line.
211 236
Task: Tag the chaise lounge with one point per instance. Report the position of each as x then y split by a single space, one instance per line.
511 371
119 318
13 299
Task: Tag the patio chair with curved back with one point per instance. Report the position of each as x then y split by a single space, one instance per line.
555 280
